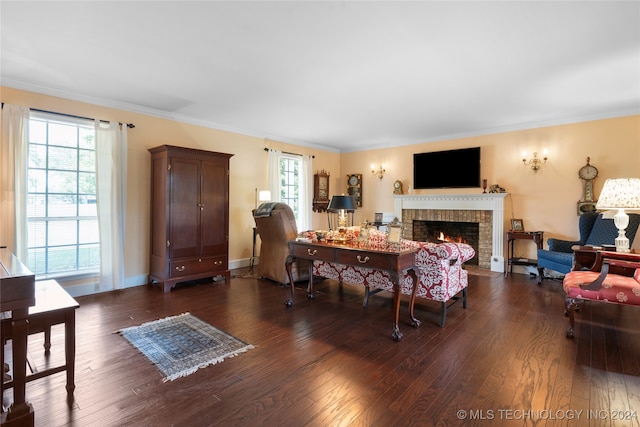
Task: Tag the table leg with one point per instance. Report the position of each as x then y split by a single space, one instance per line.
20 412
310 293
70 349
396 334
414 322
287 264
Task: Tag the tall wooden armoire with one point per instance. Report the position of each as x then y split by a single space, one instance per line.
189 215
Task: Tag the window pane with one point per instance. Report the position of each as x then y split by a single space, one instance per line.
62 259
37 234
36 205
87 183
62 206
62 224
86 138
89 257
62 182
64 135
89 232
63 158
87 161
37 156
62 233
37 132
37 181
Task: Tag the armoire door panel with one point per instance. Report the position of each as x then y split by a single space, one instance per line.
184 211
215 182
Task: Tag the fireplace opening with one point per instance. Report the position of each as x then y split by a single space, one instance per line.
448 231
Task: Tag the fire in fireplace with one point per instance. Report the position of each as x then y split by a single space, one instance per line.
446 231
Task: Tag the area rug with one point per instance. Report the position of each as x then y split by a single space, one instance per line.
180 345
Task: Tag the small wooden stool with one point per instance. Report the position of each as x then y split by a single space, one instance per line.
53 306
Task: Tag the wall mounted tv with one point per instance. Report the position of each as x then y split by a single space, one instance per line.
447 169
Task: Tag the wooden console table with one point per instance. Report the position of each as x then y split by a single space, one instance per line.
536 236
17 294
53 306
395 262
590 258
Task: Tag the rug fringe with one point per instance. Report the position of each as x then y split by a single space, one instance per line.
215 361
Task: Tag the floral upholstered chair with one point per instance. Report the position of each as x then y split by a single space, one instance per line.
617 282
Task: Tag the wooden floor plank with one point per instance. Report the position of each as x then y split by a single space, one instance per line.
331 362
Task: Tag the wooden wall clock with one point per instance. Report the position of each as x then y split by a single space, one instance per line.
320 191
587 174
354 188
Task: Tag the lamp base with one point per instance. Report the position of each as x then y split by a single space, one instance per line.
622 243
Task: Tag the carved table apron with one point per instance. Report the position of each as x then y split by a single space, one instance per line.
395 262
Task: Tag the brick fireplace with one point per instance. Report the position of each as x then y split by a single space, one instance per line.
486 210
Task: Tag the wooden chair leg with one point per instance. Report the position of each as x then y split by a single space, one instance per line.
464 298
443 314
571 304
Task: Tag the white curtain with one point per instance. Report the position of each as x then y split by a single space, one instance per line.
13 179
274 174
305 194
111 172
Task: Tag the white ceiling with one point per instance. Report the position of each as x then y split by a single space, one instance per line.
344 76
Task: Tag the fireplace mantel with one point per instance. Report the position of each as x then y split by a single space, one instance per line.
493 202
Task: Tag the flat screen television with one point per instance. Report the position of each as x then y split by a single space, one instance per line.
447 169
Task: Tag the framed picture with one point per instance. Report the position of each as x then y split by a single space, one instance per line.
395 231
517 225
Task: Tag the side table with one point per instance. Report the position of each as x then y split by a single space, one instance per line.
535 236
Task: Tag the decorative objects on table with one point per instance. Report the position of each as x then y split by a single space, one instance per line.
354 188
587 174
395 231
320 191
620 194
378 171
484 186
397 187
535 163
180 345
517 224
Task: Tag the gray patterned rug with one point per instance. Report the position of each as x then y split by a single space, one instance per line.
180 345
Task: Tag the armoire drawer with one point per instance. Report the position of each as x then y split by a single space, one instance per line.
186 267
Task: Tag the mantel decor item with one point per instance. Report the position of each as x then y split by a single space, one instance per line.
620 194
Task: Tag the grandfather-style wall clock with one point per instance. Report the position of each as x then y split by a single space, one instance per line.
587 174
354 188
320 191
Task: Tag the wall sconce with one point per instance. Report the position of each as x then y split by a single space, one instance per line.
534 162
378 172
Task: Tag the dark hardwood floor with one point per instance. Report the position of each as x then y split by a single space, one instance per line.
330 362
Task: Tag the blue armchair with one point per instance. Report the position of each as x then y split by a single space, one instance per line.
594 230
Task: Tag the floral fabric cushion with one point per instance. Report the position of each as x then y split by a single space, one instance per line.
615 288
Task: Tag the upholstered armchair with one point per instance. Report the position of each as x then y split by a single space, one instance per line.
594 230
276 225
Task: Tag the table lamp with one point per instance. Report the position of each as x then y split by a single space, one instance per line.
620 194
341 204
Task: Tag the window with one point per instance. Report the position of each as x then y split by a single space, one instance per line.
290 167
62 222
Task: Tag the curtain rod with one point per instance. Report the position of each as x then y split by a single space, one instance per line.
129 125
292 154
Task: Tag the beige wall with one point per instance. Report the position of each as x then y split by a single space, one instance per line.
546 200
248 171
